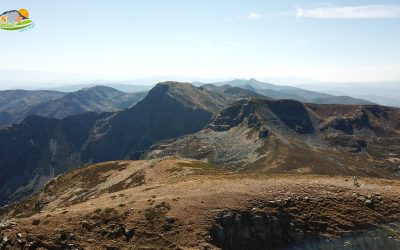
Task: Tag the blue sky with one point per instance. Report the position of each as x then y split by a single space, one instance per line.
345 40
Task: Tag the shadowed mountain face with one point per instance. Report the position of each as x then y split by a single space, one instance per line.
169 110
290 137
294 115
16 105
40 148
37 150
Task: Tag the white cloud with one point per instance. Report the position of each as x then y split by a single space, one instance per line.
351 12
254 16
249 16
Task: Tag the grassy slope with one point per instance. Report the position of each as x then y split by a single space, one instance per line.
173 203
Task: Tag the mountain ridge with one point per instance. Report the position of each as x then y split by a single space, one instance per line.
94 99
15 105
169 110
286 136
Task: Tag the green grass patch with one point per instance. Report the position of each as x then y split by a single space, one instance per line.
25 22
17 27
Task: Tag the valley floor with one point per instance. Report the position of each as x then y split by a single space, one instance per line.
186 204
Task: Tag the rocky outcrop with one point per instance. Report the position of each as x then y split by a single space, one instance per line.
236 230
347 125
247 230
235 115
291 114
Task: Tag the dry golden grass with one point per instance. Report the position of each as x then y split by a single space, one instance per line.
179 199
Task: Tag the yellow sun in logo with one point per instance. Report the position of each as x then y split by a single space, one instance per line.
24 12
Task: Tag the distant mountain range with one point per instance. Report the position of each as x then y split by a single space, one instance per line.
15 105
232 127
127 88
288 92
384 92
97 99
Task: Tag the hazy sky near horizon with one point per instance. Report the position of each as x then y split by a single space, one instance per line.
346 40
